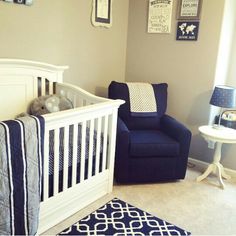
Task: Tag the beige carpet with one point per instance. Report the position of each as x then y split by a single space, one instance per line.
201 208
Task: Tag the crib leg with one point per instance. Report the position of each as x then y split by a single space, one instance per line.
111 149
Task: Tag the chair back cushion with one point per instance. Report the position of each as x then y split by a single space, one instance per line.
119 90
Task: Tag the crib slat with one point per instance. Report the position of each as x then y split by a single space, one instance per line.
46 87
56 161
66 158
43 87
35 86
39 86
50 87
98 145
54 85
104 152
90 160
46 166
83 146
75 153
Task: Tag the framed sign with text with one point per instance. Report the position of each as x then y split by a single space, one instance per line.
189 9
159 16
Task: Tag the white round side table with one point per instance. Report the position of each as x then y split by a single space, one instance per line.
218 136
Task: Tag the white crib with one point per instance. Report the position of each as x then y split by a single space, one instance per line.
20 82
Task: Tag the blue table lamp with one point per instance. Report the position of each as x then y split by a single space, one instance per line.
224 97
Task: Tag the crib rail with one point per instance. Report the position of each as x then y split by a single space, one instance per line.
94 115
78 96
84 133
66 130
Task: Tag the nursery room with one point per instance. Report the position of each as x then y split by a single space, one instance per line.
118 117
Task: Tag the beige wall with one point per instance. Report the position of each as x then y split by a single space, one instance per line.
60 32
230 150
188 67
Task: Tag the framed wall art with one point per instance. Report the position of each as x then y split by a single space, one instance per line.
189 9
159 16
187 30
102 13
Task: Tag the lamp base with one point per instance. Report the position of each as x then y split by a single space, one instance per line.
217 126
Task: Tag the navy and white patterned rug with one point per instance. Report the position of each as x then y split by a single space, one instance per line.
120 218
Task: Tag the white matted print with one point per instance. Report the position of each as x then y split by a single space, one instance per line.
102 13
159 17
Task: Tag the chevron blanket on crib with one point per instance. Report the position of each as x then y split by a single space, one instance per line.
142 99
21 145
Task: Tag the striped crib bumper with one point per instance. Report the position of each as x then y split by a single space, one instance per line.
21 143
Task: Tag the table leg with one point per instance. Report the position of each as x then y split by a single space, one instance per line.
215 166
209 169
224 175
220 174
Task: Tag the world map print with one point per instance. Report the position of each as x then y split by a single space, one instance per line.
187 30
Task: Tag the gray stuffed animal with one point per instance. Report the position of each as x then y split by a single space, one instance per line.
48 104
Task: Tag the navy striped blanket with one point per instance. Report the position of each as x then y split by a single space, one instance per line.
21 148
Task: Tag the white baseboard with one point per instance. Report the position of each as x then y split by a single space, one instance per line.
202 165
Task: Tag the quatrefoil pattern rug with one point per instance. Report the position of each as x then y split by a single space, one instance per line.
120 218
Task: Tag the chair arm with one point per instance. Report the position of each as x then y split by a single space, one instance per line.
121 127
177 131
122 140
121 170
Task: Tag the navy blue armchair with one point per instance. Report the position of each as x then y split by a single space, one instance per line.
149 149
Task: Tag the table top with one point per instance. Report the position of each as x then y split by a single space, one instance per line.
223 134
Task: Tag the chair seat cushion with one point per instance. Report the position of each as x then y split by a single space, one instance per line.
152 143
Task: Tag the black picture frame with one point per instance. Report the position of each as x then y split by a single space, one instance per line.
187 30
189 9
100 19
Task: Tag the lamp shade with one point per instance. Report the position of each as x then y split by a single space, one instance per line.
223 96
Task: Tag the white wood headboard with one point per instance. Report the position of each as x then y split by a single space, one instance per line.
22 80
